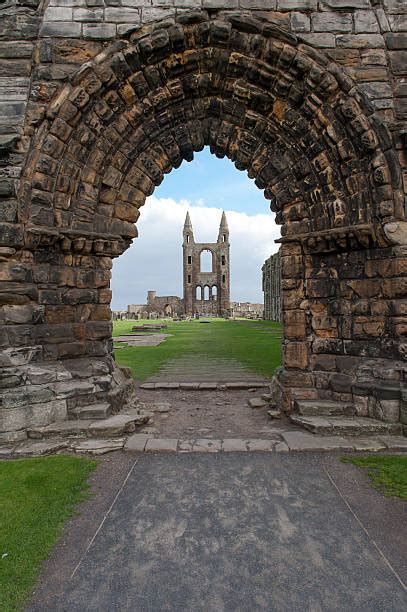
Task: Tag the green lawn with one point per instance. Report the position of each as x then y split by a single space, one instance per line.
388 473
256 344
36 497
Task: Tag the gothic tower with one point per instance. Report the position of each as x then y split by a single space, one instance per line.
206 272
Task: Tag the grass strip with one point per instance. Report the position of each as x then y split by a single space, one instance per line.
37 496
255 344
388 473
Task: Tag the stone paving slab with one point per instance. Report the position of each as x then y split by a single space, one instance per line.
98 447
294 441
142 340
299 441
166 445
136 443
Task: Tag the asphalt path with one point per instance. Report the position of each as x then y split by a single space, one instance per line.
232 532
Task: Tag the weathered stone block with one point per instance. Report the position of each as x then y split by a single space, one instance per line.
296 355
120 15
300 22
345 4
66 29
366 21
332 22
44 414
100 31
360 41
296 5
12 419
295 324
398 62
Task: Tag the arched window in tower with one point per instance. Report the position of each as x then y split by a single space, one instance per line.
223 260
214 293
206 293
223 237
198 293
206 261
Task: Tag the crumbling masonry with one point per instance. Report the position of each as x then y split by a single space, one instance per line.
98 103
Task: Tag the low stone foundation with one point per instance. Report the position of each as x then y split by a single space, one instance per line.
375 389
46 392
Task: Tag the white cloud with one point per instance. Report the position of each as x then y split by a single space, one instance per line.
154 261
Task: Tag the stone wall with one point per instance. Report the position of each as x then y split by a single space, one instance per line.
271 272
164 305
98 103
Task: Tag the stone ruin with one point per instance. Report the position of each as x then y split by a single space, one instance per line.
98 103
206 292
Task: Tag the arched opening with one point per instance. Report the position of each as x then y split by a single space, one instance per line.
206 261
206 293
284 113
198 293
214 293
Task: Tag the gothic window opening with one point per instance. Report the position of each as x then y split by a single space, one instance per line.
198 293
206 293
189 259
214 293
206 261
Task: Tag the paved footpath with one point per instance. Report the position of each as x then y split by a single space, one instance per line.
237 532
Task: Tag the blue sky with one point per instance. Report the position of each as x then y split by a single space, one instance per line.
204 187
209 181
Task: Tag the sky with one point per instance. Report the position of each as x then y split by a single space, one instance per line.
204 187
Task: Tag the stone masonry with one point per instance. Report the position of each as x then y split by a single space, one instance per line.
99 100
271 272
206 292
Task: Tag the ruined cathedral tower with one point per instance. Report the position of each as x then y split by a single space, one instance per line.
206 272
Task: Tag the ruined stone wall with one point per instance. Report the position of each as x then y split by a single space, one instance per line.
98 103
166 304
271 272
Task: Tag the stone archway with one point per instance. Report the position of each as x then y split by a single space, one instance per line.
279 110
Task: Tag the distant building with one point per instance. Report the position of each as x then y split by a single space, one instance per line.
206 283
206 288
248 310
272 288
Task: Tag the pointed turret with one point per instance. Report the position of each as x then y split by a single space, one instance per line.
223 229
187 224
188 231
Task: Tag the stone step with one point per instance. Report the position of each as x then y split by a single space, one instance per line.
116 425
92 411
346 426
320 407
